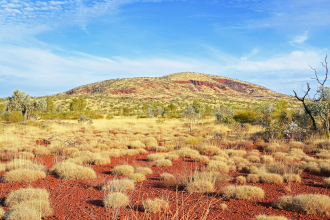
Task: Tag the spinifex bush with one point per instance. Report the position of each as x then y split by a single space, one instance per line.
163 163
200 186
119 185
28 203
116 200
23 175
68 170
215 165
137 177
243 192
23 163
153 157
155 205
143 170
270 217
326 183
136 144
2 213
308 203
240 180
123 170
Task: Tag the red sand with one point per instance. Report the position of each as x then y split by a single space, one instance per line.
77 199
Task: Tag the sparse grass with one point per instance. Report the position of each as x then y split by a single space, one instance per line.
143 170
116 200
23 175
68 170
123 170
163 163
270 217
200 186
243 192
137 177
119 185
316 204
155 205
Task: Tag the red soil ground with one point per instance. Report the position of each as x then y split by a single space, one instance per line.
77 199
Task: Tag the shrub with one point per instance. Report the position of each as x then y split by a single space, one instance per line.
326 183
153 157
243 192
240 180
2 213
163 163
70 150
68 170
14 117
291 178
271 178
109 116
150 142
136 144
143 170
119 185
155 205
166 176
202 159
123 170
267 159
137 177
116 200
253 159
23 195
23 213
200 186
307 203
215 165
25 164
209 150
23 175
269 217
2 167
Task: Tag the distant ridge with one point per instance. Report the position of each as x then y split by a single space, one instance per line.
184 84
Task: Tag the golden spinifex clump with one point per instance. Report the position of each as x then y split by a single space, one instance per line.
123 170
163 163
243 192
137 177
23 175
68 170
200 186
270 217
155 205
116 200
308 203
143 170
28 203
119 185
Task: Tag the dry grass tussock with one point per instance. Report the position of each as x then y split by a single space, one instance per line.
291 177
89 157
23 175
166 176
23 163
269 217
155 205
202 159
240 180
308 203
136 144
163 163
242 192
68 170
153 157
326 183
2 213
119 185
137 177
186 152
28 203
2 167
236 153
123 170
209 150
215 165
200 186
267 159
143 170
116 200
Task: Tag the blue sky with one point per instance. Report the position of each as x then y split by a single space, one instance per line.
47 47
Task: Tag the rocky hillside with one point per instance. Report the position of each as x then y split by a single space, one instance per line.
178 85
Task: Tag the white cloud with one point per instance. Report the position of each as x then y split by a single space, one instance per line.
300 39
253 52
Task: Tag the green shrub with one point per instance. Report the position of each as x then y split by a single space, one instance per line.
14 117
109 116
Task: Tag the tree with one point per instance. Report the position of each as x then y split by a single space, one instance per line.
19 102
225 114
50 104
189 117
172 107
78 104
319 98
199 109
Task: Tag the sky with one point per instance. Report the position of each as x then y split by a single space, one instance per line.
52 46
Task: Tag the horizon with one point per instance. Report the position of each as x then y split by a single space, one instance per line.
49 47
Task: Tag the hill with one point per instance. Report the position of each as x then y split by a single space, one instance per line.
178 85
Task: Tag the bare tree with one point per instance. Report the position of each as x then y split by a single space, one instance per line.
322 92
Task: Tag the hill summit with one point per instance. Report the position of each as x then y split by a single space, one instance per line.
178 85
